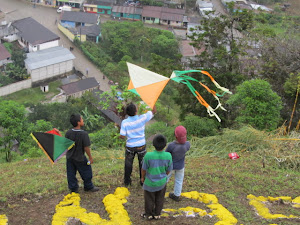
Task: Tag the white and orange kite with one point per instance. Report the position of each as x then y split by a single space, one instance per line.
149 85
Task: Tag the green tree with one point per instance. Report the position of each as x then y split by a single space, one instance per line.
16 72
165 46
92 121
116 100
222 45
18 56
165 66
257 104
5 80
12 124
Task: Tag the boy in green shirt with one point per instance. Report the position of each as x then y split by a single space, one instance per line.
155 169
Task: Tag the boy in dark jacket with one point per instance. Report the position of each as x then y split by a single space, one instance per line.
76 159
178 149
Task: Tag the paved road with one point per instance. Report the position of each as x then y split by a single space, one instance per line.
18 9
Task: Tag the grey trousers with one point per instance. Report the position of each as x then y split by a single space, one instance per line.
154 202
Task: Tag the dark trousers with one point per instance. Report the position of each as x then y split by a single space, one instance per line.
154 202
129 157
85 172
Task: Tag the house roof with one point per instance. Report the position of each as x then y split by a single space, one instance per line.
108 113
204 4
4 54
34 32
48 57
194 20
99 2
7 30
151 11
171 16
80 85
80 17
93 30
127 10
174 11
188 50
162 12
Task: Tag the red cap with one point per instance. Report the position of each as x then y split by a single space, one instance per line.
180 134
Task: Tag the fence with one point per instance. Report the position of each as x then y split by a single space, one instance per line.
18 86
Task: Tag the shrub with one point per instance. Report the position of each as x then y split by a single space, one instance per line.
258 105
159 128
108 137
200 127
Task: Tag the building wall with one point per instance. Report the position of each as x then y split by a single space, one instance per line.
171 23
18 86
51 71
151 20
10 38
66 32
70 35
5 61
65 23
104 9
127 16
90 8
101 9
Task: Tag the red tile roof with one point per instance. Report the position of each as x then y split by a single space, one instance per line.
4 54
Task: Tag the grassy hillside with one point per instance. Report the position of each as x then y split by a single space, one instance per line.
31 189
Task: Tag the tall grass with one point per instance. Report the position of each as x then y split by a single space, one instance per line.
272 148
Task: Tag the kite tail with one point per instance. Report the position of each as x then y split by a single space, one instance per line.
215 96
209 109
215 82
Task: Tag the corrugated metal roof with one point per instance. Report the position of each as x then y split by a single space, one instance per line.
48 57
204 4
93 30
173 11
171 16
123 9
4 54
34 32
127 9
79 17
156 12
80 85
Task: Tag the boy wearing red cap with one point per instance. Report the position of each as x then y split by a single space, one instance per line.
178 148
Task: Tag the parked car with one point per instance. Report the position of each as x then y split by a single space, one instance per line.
64 8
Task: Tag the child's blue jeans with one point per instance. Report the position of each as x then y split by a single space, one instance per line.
179 175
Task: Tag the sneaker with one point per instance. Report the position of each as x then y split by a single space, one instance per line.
143 215
174 197
76 191
94 189
156 217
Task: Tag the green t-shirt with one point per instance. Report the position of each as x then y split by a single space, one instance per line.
156 164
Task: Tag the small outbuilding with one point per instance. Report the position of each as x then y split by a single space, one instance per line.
78 88
49 63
